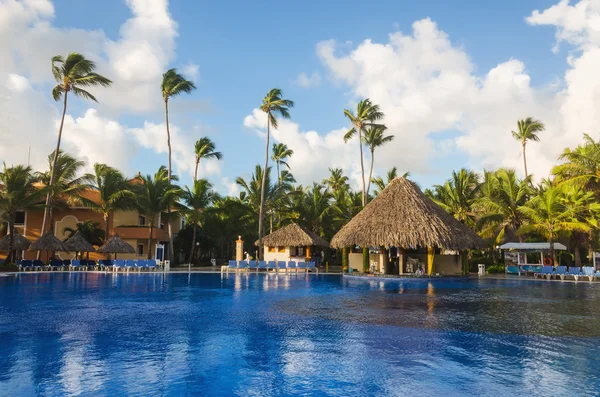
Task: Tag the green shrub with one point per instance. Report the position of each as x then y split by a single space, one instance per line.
494 268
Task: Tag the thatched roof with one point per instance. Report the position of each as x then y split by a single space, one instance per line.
116 245
78 243
293 236
48 242
402 216
20 243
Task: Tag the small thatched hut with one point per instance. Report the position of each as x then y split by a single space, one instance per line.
20 243
115 245
48 242
401 216
291 243
77 243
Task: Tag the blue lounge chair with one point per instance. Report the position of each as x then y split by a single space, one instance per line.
104 264
292 266
232 266
574 272
66 263
310 266
252 265
130 265
301 266
588 271
118 264
151 264
512 269
140 264
38 265
262 265
54 264
26 264
75 265
560 271
243 265
271 265
281 266
545 273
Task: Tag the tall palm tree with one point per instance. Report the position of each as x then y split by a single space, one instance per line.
502 196
527 130
581 165
172 85
19 193
548 214
115 193
273 104
197 199
374 137
337 180
68 183
365 116
205 149
280 154
457 195
71 74
153 195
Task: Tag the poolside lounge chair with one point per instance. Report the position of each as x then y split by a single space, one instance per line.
252 265
232 266
151 265
292 266
262 265
130 265
65 264
301 266
281 265
54 264
105 264
271 265
310 266
574 272
75 264
588 271
512 269
26 264
243 265
118 264
38 265
545 273
560 271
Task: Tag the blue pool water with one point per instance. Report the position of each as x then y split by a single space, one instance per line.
271 335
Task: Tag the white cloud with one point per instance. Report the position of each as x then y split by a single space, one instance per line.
191 71
305 81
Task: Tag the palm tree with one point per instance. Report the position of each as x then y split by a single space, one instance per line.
457 195
374 137
281 153
153 195
527 130
272 104
19 193
390 176
337 180
114 191
71 74
197 199
548 214
89 230
581 166
68 186
502 195
205 149
366 115
172 85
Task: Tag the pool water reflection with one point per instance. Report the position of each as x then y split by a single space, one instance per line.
271 335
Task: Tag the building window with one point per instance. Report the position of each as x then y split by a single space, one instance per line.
271 249
280 249
141 220
20 218
162 226
140 249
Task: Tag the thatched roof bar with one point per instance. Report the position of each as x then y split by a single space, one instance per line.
293 236
78 243
116 245
48 242
20 243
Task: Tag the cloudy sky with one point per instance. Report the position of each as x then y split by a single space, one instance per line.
452 80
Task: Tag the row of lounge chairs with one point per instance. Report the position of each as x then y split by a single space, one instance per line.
277 266
549 272
101 265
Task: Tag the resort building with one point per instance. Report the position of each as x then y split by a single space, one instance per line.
130 225
406 231
293 243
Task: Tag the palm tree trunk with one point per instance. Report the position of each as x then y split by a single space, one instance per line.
370 172
169 227
107 225
524 161
278 174
196 171
11 243
262 192
552 253
150 240
362 168
53 171
193 244
577 256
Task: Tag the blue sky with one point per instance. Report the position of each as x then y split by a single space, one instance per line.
243 49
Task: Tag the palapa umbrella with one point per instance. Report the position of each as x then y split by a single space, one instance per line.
48 242
20 243
116 245
78 243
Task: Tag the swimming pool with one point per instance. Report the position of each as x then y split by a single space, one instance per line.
269 335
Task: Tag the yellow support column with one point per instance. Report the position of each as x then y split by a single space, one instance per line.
430 259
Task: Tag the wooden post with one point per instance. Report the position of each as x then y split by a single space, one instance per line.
308 252
465 262
430 259
239 249
401 260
